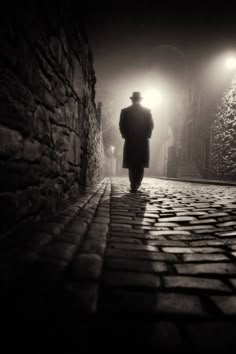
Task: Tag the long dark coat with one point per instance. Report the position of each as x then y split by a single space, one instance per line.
136 126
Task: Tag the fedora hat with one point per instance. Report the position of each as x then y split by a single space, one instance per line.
136 96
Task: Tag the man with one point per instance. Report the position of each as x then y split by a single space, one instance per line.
136 126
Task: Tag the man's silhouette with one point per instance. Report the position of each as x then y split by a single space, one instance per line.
136 126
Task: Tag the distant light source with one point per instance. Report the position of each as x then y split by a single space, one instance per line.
151 98
112 149
230 63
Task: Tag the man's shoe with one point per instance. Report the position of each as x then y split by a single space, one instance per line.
133 189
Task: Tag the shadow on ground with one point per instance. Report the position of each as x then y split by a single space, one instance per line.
110 305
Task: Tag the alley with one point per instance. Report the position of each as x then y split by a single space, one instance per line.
91 94
166 253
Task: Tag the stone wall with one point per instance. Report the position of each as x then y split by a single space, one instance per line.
50 138
223 148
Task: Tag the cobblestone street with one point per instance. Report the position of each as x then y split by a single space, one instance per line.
155 268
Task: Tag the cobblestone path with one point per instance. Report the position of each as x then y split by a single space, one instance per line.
155 268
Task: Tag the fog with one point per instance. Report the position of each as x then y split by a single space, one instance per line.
179 52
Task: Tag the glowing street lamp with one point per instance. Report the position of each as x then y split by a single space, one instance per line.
230 63
152 98
112 149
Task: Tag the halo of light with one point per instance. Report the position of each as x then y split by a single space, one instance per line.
230 63
151 98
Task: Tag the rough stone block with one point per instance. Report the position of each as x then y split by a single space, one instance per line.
177 219
60 250
132 246
205 257
131 301
131 279
132 254
136 265
77 227
92 245
227 304
96 227
102 220
73 154
87 266
207 268
179 304
192 249
32 150
185 282
11 143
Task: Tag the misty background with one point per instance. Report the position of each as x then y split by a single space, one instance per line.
177 50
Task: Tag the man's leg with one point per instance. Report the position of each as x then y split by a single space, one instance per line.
140 173
133 177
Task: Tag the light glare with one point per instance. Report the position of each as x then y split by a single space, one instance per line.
230 63
151 98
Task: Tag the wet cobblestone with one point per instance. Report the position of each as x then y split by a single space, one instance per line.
168 250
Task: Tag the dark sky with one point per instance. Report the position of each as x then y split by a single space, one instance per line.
130 40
